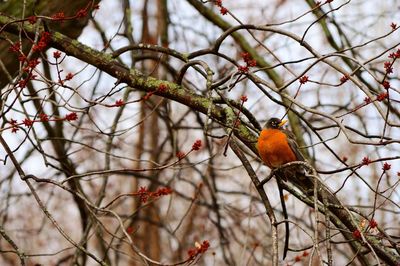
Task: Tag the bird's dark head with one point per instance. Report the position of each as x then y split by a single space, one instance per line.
275 123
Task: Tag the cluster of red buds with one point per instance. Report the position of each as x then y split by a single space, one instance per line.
303 79
195 147
144 194
299 258
15 125
223 10
198 249
372 224
250 62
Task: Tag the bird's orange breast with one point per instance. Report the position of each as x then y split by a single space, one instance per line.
274 149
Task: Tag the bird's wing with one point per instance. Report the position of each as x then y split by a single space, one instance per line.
293 145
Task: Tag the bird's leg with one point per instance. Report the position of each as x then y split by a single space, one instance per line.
263 182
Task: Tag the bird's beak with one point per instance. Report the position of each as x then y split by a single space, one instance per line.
282 123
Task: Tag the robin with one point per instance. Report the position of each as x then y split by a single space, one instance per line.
277 146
